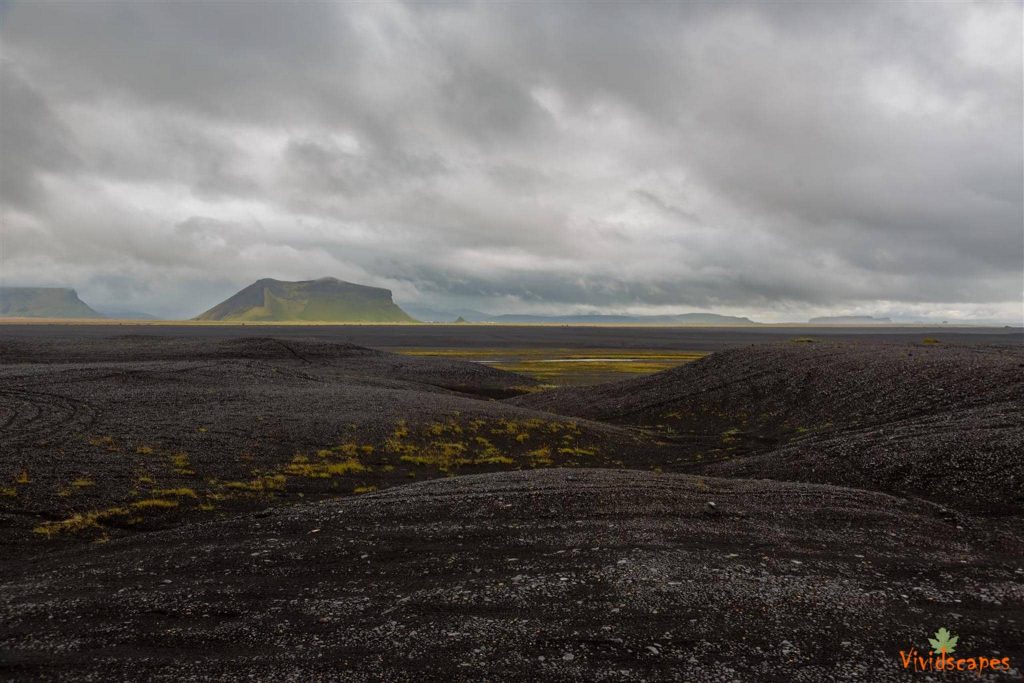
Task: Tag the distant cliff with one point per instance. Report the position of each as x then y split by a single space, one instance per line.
43 302
323 300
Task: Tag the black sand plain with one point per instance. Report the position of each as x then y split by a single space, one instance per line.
196 503
691 338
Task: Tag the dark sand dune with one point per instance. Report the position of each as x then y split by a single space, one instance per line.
187 509
134 433
943 422
971 459
314 354
806 384
556 574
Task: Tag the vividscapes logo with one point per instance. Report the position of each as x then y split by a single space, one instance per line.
941 657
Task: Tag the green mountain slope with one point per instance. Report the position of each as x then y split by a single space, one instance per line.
323 300
43 302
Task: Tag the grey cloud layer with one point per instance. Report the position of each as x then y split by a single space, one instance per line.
760 158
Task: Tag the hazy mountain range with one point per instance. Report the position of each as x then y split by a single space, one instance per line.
125 314
331 300
469 315
849 320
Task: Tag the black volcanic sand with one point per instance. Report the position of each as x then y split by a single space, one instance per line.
187 508
542 575
136 433
689 338
931 420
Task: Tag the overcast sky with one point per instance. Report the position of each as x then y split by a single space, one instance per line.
772 160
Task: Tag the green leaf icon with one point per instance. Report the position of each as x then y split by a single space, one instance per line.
944 642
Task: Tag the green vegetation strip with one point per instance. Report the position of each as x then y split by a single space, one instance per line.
567 366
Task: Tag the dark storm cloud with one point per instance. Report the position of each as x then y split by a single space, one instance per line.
31 140
773 159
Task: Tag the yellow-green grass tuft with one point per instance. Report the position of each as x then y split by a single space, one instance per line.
179 492
324 470
80 521
274 482
151 503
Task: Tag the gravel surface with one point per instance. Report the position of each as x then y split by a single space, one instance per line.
522 336
227 508
932 420
92 428
555 574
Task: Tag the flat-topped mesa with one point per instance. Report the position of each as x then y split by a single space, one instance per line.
43 302
325 300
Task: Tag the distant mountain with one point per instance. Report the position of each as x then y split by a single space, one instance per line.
469 315
43 302
125 314
681 319
426 314
434 315
323 300
849 320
